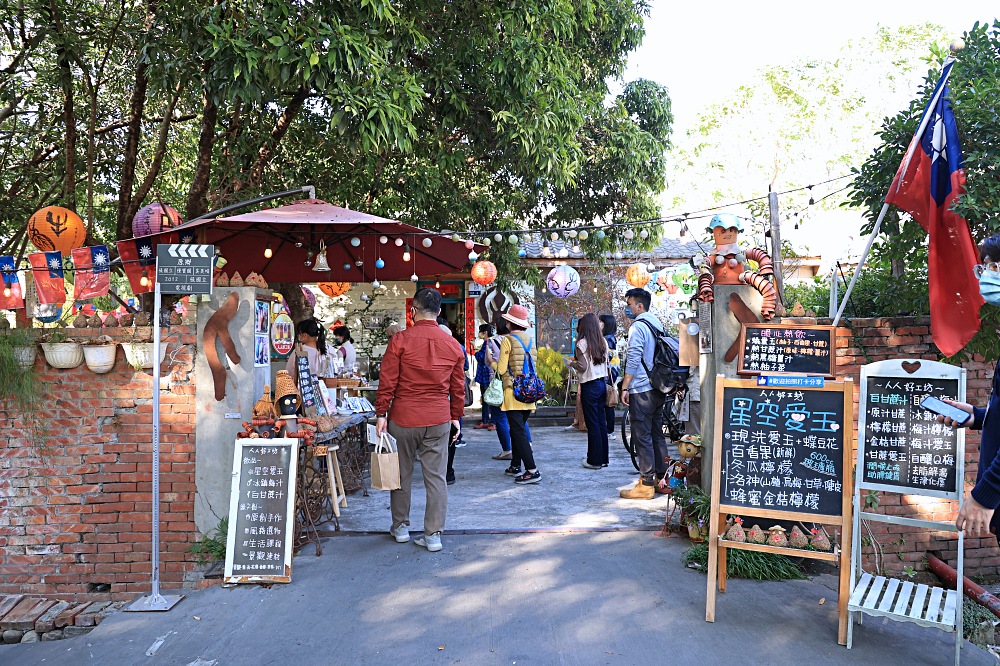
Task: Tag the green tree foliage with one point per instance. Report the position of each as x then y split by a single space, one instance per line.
975 93
467 116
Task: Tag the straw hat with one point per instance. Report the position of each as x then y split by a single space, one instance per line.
284 385
264 408
517 314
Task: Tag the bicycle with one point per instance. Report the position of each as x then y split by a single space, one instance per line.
672 427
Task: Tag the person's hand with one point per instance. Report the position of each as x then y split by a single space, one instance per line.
964 406
974 518
625 397
380 425
458 429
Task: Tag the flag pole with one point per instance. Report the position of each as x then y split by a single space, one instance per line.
955 47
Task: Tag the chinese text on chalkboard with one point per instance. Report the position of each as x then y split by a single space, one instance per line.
262 516
773 348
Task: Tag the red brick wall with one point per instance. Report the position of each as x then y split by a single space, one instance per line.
75 505
877 339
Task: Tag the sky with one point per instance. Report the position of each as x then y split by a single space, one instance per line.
703 49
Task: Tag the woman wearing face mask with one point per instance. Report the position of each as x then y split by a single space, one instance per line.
311 335
978 515
345 346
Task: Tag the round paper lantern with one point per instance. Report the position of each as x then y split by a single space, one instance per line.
637 275
563 281
154 218
56 228
334 289
484 272
310 297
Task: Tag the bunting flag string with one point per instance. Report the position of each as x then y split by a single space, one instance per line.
93 272
47 270
12 295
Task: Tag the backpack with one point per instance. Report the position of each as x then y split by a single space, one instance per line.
663 374
527 387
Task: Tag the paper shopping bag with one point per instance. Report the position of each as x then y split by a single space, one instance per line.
385 464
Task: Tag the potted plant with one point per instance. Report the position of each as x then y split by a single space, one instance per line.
696 510
139 349
61 351
18 384
23 347
100 354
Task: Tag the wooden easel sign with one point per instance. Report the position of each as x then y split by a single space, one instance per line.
782 454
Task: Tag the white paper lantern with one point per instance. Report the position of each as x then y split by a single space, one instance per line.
563 281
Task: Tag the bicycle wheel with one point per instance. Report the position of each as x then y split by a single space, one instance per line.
627 440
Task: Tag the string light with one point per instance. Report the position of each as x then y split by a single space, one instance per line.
144 280
406 253
6 291
268 253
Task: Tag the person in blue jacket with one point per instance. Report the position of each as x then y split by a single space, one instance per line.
978 515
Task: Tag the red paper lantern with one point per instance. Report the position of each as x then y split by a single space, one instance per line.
56 228
334 289
484 272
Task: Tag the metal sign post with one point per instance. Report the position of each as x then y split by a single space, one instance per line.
180 269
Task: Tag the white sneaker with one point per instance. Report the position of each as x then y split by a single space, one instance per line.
612 435
401 533
431 542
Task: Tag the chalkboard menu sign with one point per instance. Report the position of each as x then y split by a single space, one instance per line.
307 385
783 449
261 511
902 447
781 349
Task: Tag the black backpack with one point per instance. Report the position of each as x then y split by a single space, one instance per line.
663 375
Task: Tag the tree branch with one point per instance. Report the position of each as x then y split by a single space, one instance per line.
266 153
161 150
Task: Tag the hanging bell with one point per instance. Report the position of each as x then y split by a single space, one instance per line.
321 264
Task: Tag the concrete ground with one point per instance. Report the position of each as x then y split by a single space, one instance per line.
550 597
484 498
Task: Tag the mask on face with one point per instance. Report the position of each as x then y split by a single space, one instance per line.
337 342
629 313
989 287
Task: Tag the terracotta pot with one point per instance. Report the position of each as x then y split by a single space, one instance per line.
140 354
100 358
25 356
63 355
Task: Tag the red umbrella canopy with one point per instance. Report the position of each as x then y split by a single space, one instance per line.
350 237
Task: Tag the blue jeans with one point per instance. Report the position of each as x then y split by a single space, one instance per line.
592 400
645 411
503 428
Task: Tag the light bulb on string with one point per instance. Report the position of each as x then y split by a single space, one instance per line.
437 285
6 291
584 235
406 253
268 253
144 280
383 240
812 202
399 242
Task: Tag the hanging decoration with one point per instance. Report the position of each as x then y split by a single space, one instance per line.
637 275
154 218
310 297
563 281
334 289
484 272
58 229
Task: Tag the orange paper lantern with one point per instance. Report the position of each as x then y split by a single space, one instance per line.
637 275
334 289
55 228
484 272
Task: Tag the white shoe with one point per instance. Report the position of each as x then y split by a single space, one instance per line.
400 533
431 542
588 465
570 427
612 435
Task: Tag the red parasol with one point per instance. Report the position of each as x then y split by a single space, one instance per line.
295 229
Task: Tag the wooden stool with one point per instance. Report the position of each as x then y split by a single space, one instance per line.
338 494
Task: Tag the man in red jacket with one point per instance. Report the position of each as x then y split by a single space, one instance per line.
421 397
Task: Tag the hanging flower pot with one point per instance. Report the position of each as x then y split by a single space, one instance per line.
100 357
140 354
25 356
63 355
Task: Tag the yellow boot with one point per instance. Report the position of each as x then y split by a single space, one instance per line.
640 490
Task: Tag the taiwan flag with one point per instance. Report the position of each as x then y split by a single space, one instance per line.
93 272
929 180
138 260
47 269
11 295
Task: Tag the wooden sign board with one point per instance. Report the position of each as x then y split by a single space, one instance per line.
262 511
781 454
901 446
775 349
307 384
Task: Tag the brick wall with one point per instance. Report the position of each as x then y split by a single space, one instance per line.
877 339
75 504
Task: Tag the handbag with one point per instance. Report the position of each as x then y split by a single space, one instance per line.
468 392
527 387
494 392
385 464
611 391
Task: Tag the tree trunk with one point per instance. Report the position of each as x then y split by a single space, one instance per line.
266 153
197 203
160 151
298 306
69 139
131 155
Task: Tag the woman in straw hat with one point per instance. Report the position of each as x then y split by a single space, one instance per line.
513 351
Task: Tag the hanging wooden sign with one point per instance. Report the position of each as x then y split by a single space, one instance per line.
787 349
781 454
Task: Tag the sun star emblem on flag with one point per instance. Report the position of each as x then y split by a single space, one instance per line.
100 259
55 264
7 268
145 252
